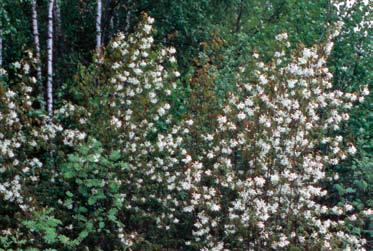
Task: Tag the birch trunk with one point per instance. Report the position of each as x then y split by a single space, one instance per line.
50 59
98 25
35 32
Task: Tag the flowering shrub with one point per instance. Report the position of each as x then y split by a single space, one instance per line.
116 170
128 113
24 138
257 183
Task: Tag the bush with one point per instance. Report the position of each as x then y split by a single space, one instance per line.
123 166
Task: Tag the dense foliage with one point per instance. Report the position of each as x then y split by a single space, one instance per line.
188 131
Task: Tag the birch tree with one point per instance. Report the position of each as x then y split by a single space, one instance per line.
98 25
35 33
50 59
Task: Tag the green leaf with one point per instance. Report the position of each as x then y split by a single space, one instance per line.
340 189
69 174
92 200
350 190
124 166
112 215
50 236
114 187
114 156
73 158
361 184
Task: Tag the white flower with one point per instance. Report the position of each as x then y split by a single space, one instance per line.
349 207
137 71
275 179
17 65
116 122
307 53
263 80
259 181
167 106
291 83
352 150
282 36
365 91
241 116
147 28
33 80
115 45
172 59
222 119
189 122
172 50
150 20
187 159
10 94
161 111
215 207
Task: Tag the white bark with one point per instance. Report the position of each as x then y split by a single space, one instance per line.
50 59
35 32
98 25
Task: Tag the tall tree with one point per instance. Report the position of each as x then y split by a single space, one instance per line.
50 59
35 32
98 25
